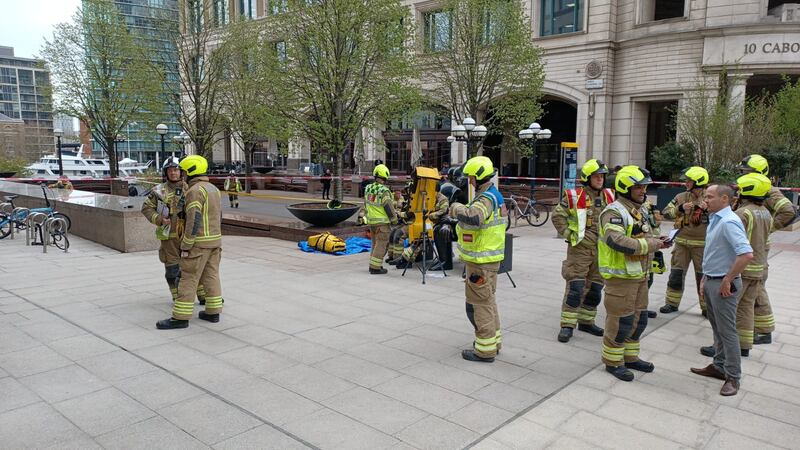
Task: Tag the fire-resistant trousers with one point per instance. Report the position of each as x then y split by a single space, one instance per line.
380 241
745 320
169 253
682 256
201 266
626 319
396 237
584 288
480 287
764 320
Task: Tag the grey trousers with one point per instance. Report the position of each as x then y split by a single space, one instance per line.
722 315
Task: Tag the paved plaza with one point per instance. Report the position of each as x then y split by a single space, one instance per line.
312 352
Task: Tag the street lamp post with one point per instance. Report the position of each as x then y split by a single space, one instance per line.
181 139
118 138
467 131
58 132
532 134
162 130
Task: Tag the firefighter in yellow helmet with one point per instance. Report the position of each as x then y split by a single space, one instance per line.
379 214
753 191
481 245
688 210
783 214
625 250
201 247
575 219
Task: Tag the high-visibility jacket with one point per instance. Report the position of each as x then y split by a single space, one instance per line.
614 263
484 242
203 215
376 198
757 222
166 200
582 211
233 185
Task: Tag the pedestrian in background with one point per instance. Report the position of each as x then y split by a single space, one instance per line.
326 184
727 252
233 187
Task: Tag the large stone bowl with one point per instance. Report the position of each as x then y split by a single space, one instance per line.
319 215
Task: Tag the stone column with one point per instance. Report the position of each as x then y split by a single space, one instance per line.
737 86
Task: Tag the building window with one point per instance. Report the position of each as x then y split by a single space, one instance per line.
438 33
222 13
786 10
247 8
280 51
561 16
653 10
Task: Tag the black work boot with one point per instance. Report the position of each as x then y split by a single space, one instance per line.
707 351
564 334
641 366
652 314
667 309
620 372
201 300
213 318
470 355
403 264
590 328
760 339
170 323
745 352
380 271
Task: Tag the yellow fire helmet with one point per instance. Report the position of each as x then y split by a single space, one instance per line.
696 174
754 185
756 163
630 176
592 167
479 167
381 171
194 165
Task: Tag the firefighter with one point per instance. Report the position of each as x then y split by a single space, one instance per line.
62 183
624 254
782 215
398 234
575 219
688 210
753 191
233 187
408 255
201 247
379 214
481 244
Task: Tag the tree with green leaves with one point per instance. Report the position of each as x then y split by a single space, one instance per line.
101 73
338 67
480 56
199 61
245 102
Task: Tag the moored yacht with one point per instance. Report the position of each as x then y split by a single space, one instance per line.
76 166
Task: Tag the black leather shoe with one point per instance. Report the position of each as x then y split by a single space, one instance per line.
620 372
470 355
760 339
380 271
652 314
564 334
591 329
707 351
403 264
745 352
213 318
170 323
641 366
667 309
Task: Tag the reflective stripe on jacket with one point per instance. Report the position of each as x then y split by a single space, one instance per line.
485 242
581 210
376 197
757 222
614 263
203 215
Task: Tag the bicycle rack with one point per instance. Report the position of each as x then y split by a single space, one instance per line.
17 212
53 224
33 221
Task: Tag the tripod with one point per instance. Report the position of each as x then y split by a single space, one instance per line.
426 243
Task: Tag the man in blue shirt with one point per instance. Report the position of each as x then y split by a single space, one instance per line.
727 252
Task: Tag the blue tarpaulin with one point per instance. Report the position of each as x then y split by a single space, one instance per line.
354 245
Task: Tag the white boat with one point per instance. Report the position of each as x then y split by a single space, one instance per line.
76 166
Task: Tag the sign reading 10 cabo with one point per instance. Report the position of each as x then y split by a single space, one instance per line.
752 49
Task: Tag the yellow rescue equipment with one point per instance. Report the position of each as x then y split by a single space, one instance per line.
326 242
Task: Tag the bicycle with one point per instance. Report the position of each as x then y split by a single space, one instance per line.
7 220
536 214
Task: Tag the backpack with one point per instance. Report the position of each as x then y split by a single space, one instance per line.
326 242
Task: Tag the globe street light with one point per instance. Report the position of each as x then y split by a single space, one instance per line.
532 134
467 131
182 139
162 130
58 132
